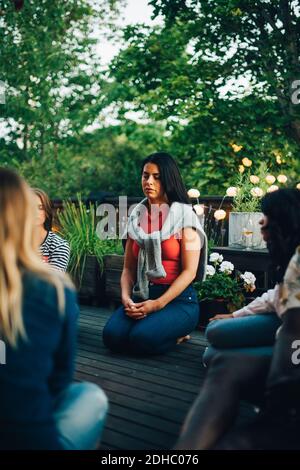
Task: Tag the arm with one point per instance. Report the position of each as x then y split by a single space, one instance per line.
128 277
262 304
63 362
59 258
190 254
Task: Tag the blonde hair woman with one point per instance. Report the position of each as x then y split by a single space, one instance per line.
40 408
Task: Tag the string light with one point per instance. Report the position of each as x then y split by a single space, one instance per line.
193 193
199 209
219 214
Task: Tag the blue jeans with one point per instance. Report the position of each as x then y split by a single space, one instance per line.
79 414
158 332
250 334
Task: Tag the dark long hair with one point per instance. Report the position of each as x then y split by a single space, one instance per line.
170 176
46 203
282 207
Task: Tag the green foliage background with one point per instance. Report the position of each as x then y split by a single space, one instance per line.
161 92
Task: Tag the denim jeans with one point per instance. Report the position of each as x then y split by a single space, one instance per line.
158 332
252 334
79 414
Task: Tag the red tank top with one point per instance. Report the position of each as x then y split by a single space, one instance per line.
170 249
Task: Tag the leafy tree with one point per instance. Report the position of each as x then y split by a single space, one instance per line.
173 74
52 77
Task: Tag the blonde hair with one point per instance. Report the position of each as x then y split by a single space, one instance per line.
19 254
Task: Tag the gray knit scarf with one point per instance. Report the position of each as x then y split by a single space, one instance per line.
149 264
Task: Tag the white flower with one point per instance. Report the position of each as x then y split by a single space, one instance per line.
257 192
232 191
270 179
249 281
199 208
215 258
281 179
193 193
210 270
298 186
220 214
226 267
272 188
248 278
254 179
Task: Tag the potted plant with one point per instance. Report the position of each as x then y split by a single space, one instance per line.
78 226
224 289
244 229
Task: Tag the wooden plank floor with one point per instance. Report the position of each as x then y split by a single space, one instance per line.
149 397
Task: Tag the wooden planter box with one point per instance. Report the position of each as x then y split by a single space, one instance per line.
113 266
92 288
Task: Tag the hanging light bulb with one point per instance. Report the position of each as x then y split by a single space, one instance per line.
220 214
193 193
199 209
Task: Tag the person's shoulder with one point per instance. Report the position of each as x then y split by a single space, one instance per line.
56 240
42 294
38 290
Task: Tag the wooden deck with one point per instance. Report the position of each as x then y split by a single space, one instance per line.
149 397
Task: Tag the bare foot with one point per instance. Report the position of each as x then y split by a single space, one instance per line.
183 339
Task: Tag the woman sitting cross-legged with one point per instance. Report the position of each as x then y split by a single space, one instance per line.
255 325
162 258
40 407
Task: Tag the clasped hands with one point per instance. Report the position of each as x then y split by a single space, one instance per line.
139 310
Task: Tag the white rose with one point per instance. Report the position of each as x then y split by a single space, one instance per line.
226 267
210 270
193 193
248 277
254 179
215 258
270 179
232 191
257 192
281 179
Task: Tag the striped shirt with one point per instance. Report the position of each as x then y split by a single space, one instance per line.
55 251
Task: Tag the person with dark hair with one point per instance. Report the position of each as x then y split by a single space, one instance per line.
267 372
255 325
54 249
165 251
